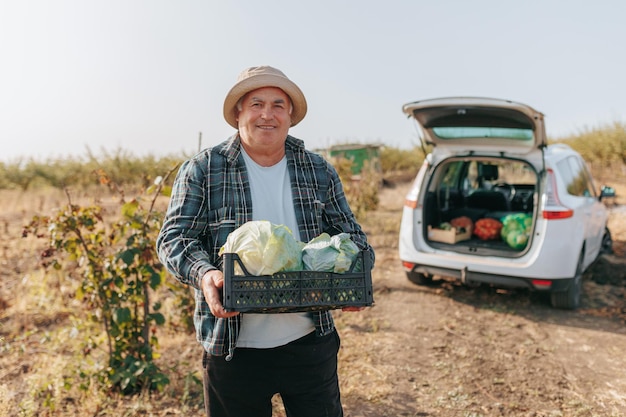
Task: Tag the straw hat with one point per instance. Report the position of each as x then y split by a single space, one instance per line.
258 77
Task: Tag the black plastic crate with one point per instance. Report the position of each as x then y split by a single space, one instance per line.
297 291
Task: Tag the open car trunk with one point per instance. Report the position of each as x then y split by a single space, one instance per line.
481 205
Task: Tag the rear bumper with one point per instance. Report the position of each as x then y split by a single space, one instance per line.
503 281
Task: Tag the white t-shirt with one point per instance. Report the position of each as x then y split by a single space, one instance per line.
272 200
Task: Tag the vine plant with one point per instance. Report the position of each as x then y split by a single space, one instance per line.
119 270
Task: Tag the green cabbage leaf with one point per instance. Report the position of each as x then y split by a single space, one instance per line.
329 254
264 248
516 230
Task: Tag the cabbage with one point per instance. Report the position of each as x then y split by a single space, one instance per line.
329 254
517 239
264 248
516 230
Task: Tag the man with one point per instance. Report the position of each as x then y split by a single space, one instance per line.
260 173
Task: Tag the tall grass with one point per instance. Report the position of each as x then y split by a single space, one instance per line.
603 147
84 172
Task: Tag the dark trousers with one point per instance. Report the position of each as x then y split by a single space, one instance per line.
303 372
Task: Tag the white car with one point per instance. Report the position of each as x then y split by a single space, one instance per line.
493 203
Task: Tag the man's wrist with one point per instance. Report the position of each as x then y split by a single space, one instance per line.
205 275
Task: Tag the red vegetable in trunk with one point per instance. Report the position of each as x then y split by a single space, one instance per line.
462 222
487 229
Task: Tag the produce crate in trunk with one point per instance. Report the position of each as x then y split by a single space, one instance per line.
297 291
448 236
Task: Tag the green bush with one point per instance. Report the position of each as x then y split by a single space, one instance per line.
118 271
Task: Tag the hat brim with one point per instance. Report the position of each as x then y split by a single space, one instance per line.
259 81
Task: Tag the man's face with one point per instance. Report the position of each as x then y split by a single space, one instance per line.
265 117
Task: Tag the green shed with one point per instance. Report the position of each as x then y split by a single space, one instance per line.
358 154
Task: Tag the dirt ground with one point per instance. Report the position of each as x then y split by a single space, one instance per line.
441 350
448 350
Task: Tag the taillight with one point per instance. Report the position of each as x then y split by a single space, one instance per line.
553 209
410 203
541 284
555 215
408 266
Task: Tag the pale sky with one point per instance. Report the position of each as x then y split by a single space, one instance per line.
147 76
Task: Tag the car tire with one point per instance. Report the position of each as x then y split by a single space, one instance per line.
607 243
570 298
419 279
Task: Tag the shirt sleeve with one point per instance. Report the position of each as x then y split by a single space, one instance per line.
180 244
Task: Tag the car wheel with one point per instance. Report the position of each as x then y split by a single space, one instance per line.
419 279
607 242
570 298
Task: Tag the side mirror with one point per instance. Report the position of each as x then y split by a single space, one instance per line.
607 192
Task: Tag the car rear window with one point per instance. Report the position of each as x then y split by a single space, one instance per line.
460 132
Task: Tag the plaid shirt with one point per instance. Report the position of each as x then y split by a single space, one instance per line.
211 197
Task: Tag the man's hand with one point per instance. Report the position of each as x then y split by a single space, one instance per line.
212 284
